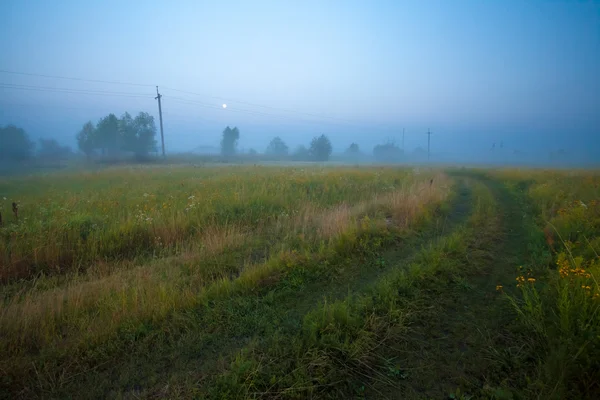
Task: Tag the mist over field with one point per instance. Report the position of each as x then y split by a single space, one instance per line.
300 199
510 82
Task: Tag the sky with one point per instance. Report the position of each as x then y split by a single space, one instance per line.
524 73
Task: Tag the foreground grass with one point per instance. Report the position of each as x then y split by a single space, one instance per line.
72 221
558 303
482 285
343 347
60 326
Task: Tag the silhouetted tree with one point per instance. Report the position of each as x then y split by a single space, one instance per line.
14 144
277 147
127 133
320 148
107 134
229 141
301 153
353 149
145 133
86 139
388 152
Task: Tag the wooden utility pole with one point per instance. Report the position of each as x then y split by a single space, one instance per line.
403 140
162 135
428 144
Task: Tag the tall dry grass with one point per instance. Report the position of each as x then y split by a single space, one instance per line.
88 308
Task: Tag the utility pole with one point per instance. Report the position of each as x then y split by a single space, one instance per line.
162 135
403 139
428 144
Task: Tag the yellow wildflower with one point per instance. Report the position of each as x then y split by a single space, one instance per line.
498 287
531 280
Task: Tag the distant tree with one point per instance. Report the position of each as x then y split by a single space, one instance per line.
388 152
353 149
127 133
277 147
14 144
50 149
229 141
320 148
301 153
107 134
252 152
145 130
86 139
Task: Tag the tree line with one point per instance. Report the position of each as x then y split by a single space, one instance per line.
16 147
113 136
319 149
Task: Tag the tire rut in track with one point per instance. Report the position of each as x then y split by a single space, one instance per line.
243 319
449 348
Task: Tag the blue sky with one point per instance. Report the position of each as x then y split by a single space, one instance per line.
474 72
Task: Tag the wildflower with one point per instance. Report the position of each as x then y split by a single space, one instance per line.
499 287
586 287
192 197
531 280
146 195
4 198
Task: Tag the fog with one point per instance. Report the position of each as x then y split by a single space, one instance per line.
495 83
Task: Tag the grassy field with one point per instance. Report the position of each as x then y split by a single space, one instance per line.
300 282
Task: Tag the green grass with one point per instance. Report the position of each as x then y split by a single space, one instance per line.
558 303
300 282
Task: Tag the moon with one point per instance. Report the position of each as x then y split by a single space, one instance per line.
224 105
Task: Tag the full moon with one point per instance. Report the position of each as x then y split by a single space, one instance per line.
224 105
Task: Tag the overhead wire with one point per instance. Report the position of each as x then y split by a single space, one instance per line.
181 91
69 90
73 79
257 105
175 98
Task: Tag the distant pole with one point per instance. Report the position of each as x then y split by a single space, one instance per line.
428 144
402 139
162 135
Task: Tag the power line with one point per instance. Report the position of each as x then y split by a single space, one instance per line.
140 95
259 105
243 110
72 79
70 91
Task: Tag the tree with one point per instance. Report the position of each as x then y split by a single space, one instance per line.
107 134
301 154
51 150
127 133
145 130
277 147
229 141
86 139
353 149
320 148
14 144
388 152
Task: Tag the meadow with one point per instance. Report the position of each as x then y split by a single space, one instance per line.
300 282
